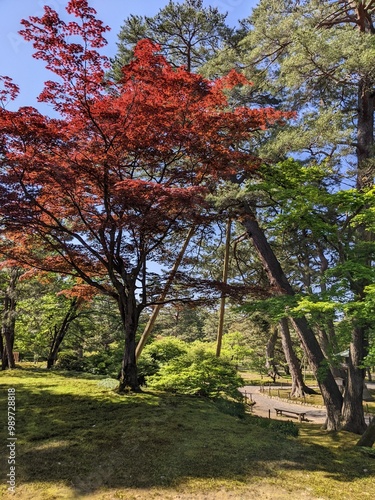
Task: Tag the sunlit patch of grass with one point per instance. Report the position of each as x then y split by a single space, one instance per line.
77 438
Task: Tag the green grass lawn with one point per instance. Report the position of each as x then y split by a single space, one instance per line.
78 439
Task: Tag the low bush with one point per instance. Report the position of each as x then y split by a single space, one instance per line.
198 372
160 352
69 360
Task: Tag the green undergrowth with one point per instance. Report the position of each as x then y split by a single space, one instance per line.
77 438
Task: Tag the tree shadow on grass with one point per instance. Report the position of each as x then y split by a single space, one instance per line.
149 440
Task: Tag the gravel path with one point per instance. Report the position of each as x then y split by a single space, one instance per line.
263 404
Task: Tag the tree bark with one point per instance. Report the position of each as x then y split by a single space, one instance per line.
353 414
329 389
273 372
352 411
9 319
368 437
298 385
225 279
129 312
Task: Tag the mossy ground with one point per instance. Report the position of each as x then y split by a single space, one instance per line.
78 439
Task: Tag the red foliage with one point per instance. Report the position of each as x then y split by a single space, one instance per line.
97 191
9 92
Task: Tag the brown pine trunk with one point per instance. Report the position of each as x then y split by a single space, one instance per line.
352 411
298 385
353 414
151 322
220 329
368 437
329 389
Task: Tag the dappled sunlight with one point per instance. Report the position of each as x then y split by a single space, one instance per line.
73 436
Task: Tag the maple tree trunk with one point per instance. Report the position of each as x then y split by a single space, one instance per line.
61 332
130 317
298 385
329 389
8 358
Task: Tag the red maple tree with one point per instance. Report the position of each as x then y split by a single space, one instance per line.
96 192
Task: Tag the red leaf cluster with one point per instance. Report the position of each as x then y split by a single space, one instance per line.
96 191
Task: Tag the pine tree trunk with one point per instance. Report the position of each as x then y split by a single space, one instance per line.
220 329
353 413
151 322
368 437
329 389
298 385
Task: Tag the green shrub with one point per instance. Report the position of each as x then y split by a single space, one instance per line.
158 353
69 360
198 372
104 363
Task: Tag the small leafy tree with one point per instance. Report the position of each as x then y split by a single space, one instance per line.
198 372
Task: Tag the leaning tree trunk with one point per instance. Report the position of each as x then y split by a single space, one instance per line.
298 385
220 328
61 331
129 312
151 322
329 389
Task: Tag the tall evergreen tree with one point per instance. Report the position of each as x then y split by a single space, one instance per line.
188 34
319 54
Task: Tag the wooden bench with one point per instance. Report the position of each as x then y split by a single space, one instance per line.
288 413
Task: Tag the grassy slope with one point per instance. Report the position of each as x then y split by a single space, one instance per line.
77 439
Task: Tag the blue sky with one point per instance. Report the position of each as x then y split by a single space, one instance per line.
16 54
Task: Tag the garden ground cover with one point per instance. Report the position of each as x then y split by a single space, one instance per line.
76 438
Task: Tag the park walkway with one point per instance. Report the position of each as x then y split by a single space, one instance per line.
265 404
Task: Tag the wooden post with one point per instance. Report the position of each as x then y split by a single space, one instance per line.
151 322
222 300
